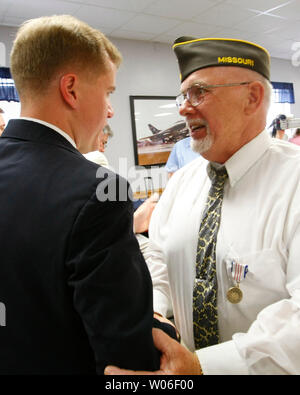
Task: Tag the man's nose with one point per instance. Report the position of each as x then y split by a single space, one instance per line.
186 108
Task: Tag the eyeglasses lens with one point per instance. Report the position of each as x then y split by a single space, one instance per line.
195 95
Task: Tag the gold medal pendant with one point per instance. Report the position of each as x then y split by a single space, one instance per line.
235 295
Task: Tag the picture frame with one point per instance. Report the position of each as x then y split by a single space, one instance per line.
156 127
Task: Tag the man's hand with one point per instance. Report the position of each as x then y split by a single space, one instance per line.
175 359
143 214
160 318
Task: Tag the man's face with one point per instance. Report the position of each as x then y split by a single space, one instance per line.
95 106
2 124
216 124
103 138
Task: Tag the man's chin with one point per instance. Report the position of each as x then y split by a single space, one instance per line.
201 145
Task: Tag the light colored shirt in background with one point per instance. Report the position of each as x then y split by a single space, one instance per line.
97 157
180 155
295 140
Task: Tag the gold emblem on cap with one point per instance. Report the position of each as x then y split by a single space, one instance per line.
235 295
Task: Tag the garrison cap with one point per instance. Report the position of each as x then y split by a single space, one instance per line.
198 53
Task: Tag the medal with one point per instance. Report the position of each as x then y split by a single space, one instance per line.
235 295
239 272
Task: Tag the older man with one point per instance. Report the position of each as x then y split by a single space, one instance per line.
77 292
98 156
225 244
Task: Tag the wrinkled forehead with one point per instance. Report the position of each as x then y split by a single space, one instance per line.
217 75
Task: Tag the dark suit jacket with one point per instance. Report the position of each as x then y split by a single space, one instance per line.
77 291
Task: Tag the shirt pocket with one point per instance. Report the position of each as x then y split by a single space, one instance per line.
265 281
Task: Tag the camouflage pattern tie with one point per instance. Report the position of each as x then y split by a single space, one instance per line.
205 312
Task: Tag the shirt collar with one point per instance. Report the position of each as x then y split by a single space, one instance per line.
53 127
247 156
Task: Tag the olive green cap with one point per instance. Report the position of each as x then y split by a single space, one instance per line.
198 53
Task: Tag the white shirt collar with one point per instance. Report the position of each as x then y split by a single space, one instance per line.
53 127
247 156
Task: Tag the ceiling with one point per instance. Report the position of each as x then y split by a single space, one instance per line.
270 23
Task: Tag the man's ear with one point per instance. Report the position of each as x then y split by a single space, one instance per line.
255 97
68 89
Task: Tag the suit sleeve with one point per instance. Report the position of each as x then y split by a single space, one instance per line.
112 288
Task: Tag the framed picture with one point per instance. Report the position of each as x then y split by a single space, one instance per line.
156 127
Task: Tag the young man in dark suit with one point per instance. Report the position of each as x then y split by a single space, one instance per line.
76 290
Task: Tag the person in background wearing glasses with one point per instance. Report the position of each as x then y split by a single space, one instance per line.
98 155
2 121
255 270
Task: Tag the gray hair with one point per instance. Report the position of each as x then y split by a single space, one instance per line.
107 130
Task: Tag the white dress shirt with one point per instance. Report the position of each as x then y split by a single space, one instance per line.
97 157
260 227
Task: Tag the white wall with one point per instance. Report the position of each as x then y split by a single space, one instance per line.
151 69
6 37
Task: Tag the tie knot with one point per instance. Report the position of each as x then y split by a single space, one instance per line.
217 175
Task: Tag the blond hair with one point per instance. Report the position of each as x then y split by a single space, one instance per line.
44 46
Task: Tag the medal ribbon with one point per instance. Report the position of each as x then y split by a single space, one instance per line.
239 271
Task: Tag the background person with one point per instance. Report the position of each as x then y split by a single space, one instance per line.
277 131
180 155
250 272
98 156
296 138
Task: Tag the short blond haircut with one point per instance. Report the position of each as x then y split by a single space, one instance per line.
44 46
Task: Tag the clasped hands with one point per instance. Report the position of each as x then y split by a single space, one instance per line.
175 358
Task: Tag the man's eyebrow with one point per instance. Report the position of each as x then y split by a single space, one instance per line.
201 83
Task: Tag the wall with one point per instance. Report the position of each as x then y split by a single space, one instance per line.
6 37
151 69
283 71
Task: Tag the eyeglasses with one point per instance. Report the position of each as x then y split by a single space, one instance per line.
196 93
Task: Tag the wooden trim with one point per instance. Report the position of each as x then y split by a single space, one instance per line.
142 194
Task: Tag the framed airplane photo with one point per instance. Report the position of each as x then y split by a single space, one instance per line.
156 127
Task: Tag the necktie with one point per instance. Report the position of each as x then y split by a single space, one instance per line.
205 313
